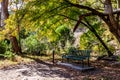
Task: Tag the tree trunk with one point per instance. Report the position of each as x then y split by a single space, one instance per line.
112 21
5 15
101 41
99 38
15 45
0 19
4 11
118 3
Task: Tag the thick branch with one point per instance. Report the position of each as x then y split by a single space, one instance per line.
99 38
80 18
94 11
85 7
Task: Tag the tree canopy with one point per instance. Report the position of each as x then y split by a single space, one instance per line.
44 17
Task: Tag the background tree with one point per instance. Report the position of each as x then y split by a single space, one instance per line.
4 11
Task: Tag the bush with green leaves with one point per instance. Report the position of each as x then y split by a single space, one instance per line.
32 45
3 46
71 50
9 55
5 49
65 37
64 34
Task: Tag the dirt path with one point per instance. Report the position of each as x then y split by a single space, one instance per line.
46 71
33 71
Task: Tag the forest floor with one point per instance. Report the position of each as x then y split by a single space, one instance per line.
45 70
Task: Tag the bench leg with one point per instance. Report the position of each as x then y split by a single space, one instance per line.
62 59
82 63
88 62
67 59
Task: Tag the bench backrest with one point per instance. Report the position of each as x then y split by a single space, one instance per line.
84 53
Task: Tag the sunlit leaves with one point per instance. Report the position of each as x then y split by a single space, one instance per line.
10 27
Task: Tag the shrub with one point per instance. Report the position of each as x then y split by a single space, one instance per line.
33 46
9 55
72 50
3 46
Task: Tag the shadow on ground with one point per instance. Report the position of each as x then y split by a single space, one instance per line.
49 71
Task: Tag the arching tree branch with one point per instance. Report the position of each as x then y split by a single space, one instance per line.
80 19
94 11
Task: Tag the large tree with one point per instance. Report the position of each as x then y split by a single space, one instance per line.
5 16
109 14
46 15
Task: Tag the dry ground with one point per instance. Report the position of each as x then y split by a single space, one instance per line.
40 70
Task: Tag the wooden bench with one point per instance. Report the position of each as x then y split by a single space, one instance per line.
79 55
